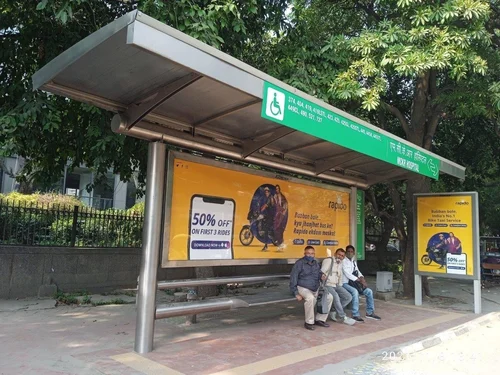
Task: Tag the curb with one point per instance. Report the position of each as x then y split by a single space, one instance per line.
448 335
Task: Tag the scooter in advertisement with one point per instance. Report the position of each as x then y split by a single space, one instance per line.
255 228
247 231
434 255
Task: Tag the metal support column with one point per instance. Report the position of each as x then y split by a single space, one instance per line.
418 290
477 297
146 297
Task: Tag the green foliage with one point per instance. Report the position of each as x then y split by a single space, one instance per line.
45 129
98 230
87 300
408 39
474 144
49 130
137 208
19 228
47 200
419 69
71 298
48 219
66 298
203 20
395 268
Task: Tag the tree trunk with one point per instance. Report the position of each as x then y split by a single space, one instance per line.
415 185
208 290
425 115
381 246
425 286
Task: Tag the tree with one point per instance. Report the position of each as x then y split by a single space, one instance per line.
404 65
420 61
44 129
473 143
48 130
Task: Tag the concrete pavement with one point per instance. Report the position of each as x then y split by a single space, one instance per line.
37 338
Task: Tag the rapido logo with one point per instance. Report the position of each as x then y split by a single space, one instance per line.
338 205
462 203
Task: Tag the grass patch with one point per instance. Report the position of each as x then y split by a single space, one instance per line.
67 298
71 299
87 300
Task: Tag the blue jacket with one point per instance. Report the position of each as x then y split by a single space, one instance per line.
305 274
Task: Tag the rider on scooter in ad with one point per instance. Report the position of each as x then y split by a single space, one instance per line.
442 249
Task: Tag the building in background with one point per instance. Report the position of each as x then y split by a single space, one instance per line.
113 193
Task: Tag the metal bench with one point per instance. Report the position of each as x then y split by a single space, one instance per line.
198 307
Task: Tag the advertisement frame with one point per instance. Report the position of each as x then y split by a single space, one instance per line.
360 225
475 236
169 179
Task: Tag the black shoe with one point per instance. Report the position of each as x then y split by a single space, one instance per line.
372 316
264 248
321 324
310 327
358 319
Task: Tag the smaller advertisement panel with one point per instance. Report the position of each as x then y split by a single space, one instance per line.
446 235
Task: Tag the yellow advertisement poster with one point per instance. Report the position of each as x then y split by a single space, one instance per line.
218 212
445 235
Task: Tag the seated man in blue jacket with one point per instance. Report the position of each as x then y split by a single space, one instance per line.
304 285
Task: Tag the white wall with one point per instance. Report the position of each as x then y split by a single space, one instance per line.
119 193
8 183
85 179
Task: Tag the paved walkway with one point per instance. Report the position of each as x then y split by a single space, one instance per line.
472 353
37 338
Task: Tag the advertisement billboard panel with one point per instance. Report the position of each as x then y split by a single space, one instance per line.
446 235
220 213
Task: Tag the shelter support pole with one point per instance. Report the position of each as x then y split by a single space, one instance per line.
477 297
146 297
418 290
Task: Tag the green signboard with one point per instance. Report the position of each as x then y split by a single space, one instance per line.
360 225
293 111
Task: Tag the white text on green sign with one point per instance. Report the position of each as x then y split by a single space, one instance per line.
288 109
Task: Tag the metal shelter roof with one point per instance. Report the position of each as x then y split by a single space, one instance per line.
167 86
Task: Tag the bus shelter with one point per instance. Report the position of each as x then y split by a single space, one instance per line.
170 89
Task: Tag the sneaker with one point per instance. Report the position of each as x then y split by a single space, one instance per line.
349 321
372 316
333 316
358 319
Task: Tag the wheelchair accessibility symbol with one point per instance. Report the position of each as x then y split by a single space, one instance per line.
433 167
275 104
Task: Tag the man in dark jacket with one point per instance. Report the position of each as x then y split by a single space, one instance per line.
304 284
